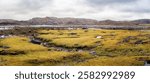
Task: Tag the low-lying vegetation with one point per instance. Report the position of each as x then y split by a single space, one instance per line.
90 47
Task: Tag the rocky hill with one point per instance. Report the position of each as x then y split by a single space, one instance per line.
70 21
61 21
142 21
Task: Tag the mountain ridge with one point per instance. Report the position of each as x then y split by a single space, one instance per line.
70 21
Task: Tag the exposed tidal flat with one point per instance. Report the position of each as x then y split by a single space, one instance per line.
74 47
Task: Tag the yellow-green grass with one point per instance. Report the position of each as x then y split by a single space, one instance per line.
17 43
64 37
1 49
76 42
110 49
55 58
82 38
111 42
114 61
44 58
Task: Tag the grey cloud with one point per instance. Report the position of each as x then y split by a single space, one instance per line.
136 10
33 4
96 9
131 6
142 6
115 5
18 9
108 2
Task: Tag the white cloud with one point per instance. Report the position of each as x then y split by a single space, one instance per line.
94 9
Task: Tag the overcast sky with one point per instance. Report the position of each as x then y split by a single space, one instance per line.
93 9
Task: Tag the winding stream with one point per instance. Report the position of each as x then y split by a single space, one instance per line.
54 47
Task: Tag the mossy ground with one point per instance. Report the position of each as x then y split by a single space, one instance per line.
113 48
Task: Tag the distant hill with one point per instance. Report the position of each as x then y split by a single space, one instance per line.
8 22
111 22
63 21
142 21
70 21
